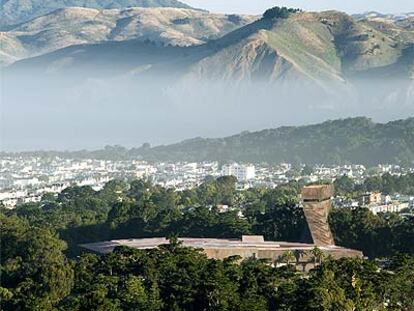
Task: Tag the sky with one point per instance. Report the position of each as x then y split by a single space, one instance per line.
350 6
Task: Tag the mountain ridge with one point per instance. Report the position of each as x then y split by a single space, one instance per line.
356 140
320 46
73 26
14 12
349 140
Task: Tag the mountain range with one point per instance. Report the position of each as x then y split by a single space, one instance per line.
402 18
73 26
307 46
155 74
14 12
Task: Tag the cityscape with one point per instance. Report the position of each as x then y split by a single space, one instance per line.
206 155
27 179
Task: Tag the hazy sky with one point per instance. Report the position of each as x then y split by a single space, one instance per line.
351 6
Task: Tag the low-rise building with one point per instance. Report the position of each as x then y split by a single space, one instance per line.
316 201
370 198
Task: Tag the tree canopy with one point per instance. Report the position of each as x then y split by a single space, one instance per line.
41 268
279 12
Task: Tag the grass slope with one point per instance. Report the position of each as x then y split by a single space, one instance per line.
319 46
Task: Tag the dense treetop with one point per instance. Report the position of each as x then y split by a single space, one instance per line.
279 12
36 276
141 209
40 269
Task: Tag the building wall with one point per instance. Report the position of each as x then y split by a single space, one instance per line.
316 214
303 262
241 172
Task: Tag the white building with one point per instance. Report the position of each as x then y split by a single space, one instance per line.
241 172
395 207
25 182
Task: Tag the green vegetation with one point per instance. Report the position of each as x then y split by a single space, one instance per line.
353 140
377 235
386 184
37 275
176 278
279 12
140 209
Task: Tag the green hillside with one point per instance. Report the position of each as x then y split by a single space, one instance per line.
353 140
18 11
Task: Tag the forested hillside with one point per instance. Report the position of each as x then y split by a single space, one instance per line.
354 140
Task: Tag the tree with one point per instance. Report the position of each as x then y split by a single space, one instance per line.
35 272
288 257
279 12
282 219
344 185
323 293
317 255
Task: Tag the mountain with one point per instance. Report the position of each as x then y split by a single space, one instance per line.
302 69
381 16
404 20
353 140
311 47
74 26
316 46
18 11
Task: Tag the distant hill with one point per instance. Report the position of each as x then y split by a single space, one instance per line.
75 25
390 17
404 20
18 11
353 140
307 47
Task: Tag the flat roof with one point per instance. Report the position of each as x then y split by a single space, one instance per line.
105 247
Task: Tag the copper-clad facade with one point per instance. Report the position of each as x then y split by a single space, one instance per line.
316 206
317 193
